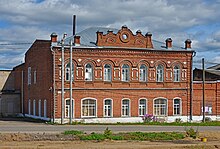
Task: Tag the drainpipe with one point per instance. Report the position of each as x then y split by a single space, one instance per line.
191 91
71 80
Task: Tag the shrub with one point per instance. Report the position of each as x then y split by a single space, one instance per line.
192 132
107 133
208 119
178 120
73 132
148 118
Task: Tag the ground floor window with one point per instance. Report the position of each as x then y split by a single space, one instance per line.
34 107
29 106
160 107
177 107
88 107
107 108
142 107
39 108
125 107
67 108
45 108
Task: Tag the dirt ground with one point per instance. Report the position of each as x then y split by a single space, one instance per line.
59 141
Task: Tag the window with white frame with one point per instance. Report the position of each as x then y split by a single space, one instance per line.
107 72
45 108
142 107
29 75
125 107
107 108
125 73
67 108
88 108
29 107
143 73
177 107
39 108
176 74
34 107
67 72
88 72
160 73
160 107
35 77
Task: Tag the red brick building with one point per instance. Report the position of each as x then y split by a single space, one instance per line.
117 76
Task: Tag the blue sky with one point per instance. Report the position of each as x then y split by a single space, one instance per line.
23 21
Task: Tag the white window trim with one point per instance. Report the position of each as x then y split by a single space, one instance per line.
110 73
69 73
129 108
166 107
92 73
157 79
96 107
111 107
146 108
175 73
129 71
73 108
180 106
146 74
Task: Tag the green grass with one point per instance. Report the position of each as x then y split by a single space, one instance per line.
141 136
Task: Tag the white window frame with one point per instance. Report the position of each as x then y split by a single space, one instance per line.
39 108
160 106
29 107
88 72
143 73
34 107
141 107
29 75
175 106
35 76
67 108
67 72
107 72
107 107
125 73
124 107
45 108
89 105
160 73
176 73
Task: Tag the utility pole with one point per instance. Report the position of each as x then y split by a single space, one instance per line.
71 81
203 90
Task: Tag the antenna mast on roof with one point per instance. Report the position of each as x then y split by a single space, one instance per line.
74 25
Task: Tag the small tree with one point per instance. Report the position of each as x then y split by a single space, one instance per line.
148 118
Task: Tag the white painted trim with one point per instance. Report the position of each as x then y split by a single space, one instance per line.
180 106
129 112
73 110
96 106
146 106
111 107
167 105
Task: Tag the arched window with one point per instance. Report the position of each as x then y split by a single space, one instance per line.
125 107
125 73
67 108
142 107
160 73
177 107
176 74
67 69
107 108
143 73
160 107
88 108
39 108
88 72
107 72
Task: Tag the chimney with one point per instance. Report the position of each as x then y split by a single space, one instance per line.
149 41
169 43
188 44
77 40
53 38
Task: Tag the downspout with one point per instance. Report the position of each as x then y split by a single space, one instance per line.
71 81
54 89
191 90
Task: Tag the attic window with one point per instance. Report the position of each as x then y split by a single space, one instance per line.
124 36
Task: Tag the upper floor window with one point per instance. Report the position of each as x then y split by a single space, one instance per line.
125 73
67 71
29 75
160 73
35 77
88 72
143 73
176 106
107 72
176 73
142 107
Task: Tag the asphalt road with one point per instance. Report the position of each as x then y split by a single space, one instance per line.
31 127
